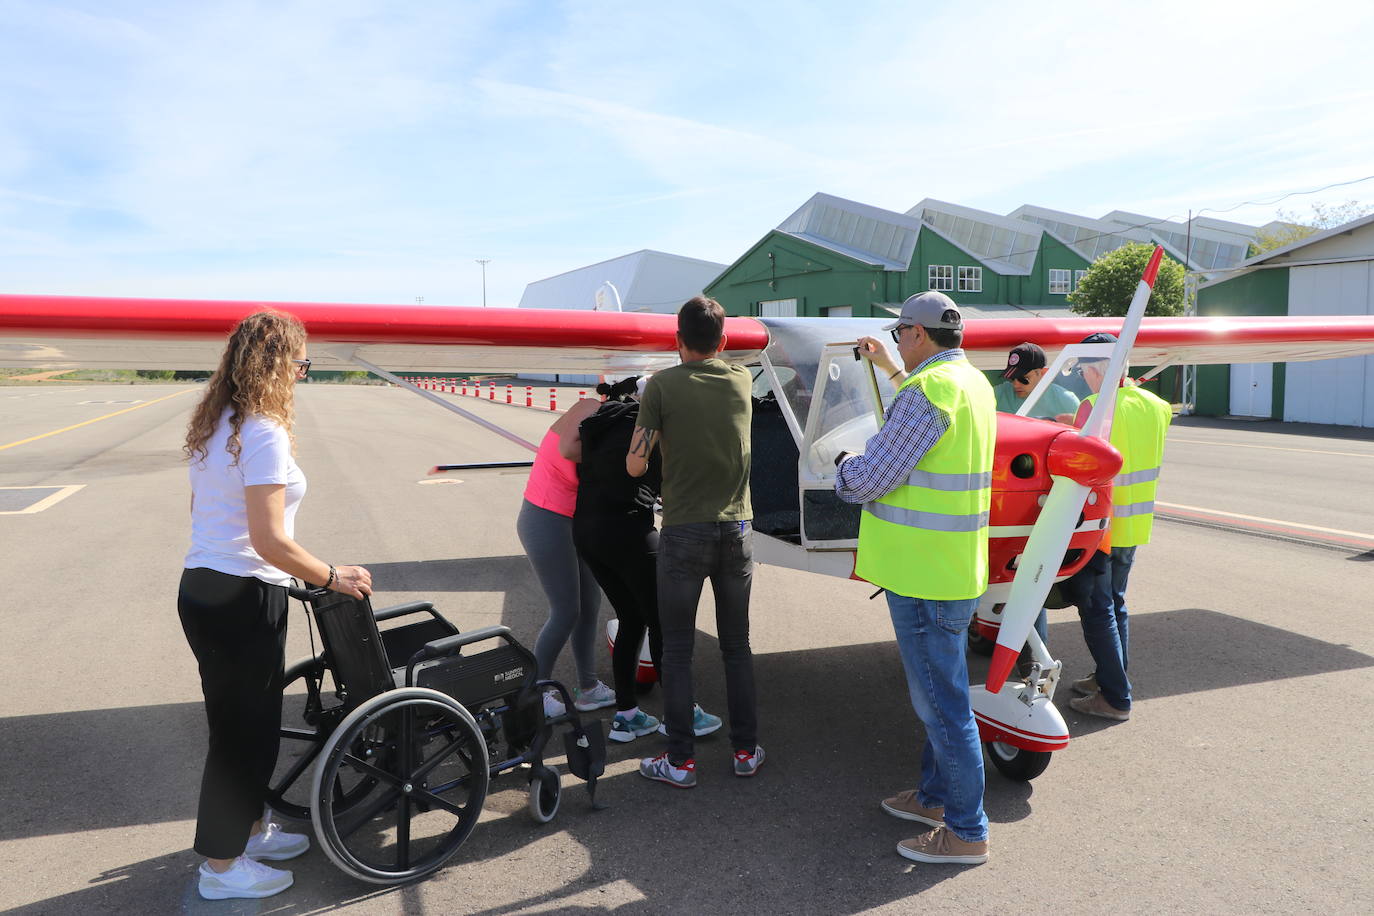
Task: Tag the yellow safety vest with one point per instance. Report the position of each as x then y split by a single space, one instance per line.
929 537
1138 429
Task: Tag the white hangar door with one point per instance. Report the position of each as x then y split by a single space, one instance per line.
1252 389
1339 391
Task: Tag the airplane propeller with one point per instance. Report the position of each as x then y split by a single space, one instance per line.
1044 553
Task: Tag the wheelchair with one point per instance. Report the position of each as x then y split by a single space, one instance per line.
406 726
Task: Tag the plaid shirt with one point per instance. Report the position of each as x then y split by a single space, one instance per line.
912 428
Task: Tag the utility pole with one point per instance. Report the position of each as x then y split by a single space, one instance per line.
419 300
484 262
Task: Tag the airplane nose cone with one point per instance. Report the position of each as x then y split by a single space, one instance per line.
1086 460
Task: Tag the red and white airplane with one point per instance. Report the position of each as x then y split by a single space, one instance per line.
815 399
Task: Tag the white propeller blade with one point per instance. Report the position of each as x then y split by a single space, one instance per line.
1055 525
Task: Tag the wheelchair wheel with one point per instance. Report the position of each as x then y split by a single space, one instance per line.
310 713
427 763
546 789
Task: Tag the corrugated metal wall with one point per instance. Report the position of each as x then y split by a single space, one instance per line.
1337 391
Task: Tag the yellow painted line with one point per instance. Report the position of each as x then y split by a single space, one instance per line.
1270 521
1276 448
47 501
98 419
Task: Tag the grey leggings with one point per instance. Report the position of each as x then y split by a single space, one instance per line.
574 597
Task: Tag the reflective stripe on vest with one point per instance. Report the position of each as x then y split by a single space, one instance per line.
951 483
928 537
928 521
1135 477
1131 509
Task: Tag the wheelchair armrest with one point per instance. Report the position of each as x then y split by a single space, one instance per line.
401 610
440 647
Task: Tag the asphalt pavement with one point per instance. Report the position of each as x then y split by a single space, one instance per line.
1241 784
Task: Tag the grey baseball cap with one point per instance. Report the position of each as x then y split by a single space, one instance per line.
929 310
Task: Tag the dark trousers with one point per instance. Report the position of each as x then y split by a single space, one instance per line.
688 555
623 557
237 629
1099 591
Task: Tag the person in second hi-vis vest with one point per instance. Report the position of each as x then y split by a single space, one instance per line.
925 482
1099 588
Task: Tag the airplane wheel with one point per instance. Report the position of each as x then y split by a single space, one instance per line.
977 642
545 791
1017 763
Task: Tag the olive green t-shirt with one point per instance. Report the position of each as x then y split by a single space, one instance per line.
701 411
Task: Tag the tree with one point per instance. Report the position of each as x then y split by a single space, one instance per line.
1106 289
1297 227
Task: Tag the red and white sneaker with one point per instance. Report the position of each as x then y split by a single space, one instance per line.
658 768
747 764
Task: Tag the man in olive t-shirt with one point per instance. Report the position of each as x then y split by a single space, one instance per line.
700 411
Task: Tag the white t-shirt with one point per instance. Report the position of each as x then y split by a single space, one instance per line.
219 515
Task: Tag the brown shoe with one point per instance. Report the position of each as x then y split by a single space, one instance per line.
1097 705
1086 685
903 805
942 847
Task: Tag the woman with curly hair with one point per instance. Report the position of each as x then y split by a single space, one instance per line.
245 490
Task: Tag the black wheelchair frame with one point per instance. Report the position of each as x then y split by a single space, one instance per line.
406 727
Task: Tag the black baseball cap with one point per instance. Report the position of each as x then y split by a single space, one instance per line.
1023 358
1100 337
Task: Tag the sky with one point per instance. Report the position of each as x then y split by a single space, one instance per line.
356 151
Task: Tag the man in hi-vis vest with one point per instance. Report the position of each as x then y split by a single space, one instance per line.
1099 588
925 482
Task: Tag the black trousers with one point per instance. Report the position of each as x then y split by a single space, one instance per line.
689 555
623 557
236 627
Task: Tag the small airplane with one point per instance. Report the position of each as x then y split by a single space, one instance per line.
813 398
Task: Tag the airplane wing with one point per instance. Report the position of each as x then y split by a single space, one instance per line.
58 332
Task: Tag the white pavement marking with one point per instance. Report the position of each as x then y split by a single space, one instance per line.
1268 521
1272 448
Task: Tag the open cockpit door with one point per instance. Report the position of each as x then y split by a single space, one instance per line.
845 411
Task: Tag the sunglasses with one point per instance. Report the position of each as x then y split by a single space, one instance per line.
302 365
897 332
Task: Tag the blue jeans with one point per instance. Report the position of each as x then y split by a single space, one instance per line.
1099 591
688 555
932 637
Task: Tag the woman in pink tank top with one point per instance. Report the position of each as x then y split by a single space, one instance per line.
545 530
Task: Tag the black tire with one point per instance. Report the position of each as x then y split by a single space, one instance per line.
310 713
979 644
1017 763
428 764
546 790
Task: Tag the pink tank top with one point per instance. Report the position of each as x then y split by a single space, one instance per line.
553 479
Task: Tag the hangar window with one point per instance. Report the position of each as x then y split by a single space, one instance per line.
1078 276
970 279
942 277
1059 282
778 308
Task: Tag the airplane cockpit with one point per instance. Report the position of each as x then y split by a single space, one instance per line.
812 398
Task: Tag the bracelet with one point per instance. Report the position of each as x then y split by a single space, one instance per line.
894 375
333 575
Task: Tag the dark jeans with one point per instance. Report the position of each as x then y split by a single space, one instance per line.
1099 591
688 555
237 629
624 560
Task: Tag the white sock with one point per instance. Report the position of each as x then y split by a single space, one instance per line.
627 714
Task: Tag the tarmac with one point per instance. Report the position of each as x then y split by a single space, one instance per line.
1241 784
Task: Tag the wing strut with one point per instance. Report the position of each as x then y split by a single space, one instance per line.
442 402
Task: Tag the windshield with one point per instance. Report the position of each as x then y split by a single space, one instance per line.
796 344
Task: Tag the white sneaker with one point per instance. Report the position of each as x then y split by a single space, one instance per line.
553 707
275 844
245 878
598 697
